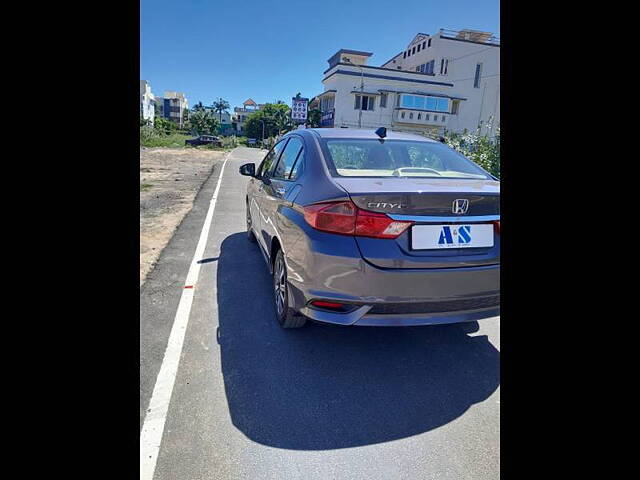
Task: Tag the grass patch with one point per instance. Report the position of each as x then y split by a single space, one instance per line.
153 139
149 137
145 186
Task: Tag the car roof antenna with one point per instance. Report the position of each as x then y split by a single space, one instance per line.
381 132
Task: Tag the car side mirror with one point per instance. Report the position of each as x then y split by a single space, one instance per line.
248 169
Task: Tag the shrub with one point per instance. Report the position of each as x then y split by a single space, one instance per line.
480 149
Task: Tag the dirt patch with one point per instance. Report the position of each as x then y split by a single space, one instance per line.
169 181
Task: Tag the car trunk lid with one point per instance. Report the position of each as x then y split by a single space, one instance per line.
426 201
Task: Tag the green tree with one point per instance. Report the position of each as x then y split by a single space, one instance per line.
164 125
203 122
185 119
314 117
198 106
221 106
276 118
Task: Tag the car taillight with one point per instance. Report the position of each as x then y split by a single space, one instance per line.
347 219
496 227
332 217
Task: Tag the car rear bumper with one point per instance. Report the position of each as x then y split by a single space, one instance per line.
332 269
361 318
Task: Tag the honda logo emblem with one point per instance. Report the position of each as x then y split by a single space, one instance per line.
460 206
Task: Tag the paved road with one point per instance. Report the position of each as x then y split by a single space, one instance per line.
252 401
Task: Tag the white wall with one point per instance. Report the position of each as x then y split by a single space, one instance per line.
147 104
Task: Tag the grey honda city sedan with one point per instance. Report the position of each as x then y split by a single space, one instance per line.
363 227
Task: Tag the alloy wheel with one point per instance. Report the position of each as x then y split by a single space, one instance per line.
279 284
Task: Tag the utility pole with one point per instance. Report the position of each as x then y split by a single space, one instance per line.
361 97
481 105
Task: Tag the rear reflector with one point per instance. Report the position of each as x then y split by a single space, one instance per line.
496 227
347 219
322 304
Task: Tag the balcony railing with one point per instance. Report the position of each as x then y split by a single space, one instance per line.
426 118
487 38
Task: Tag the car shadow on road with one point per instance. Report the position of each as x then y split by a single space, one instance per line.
328 387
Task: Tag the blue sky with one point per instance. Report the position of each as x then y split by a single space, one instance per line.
270 50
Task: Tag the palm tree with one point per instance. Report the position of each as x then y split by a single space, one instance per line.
221 106
198 106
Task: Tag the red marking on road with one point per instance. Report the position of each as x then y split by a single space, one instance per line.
188 286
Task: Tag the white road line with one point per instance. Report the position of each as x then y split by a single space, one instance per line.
153 427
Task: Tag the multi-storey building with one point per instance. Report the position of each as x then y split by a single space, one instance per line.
147 101
450 80
172 107
240 114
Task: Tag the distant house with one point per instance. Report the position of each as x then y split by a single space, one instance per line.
240 114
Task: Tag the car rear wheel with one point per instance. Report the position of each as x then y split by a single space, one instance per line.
287 317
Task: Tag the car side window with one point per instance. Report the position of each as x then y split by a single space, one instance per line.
288 160
268 164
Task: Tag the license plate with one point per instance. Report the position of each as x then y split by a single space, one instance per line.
432 237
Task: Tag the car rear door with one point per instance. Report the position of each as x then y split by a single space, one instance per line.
281 188
262 181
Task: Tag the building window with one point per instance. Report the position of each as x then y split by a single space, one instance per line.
427 67
413 50
425 103
405 55
426 117
367 102
402 115
446 65
419 45
383 100
429 44
443 118
442 105
409 53
411 115
435 118
476 80
424 44
454 107
419 116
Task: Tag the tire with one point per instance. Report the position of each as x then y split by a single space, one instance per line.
250 235
287 317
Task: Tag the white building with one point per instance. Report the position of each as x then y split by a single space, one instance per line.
147 101
240 114
450 80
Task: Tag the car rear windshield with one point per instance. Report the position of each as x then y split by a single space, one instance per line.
398 158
